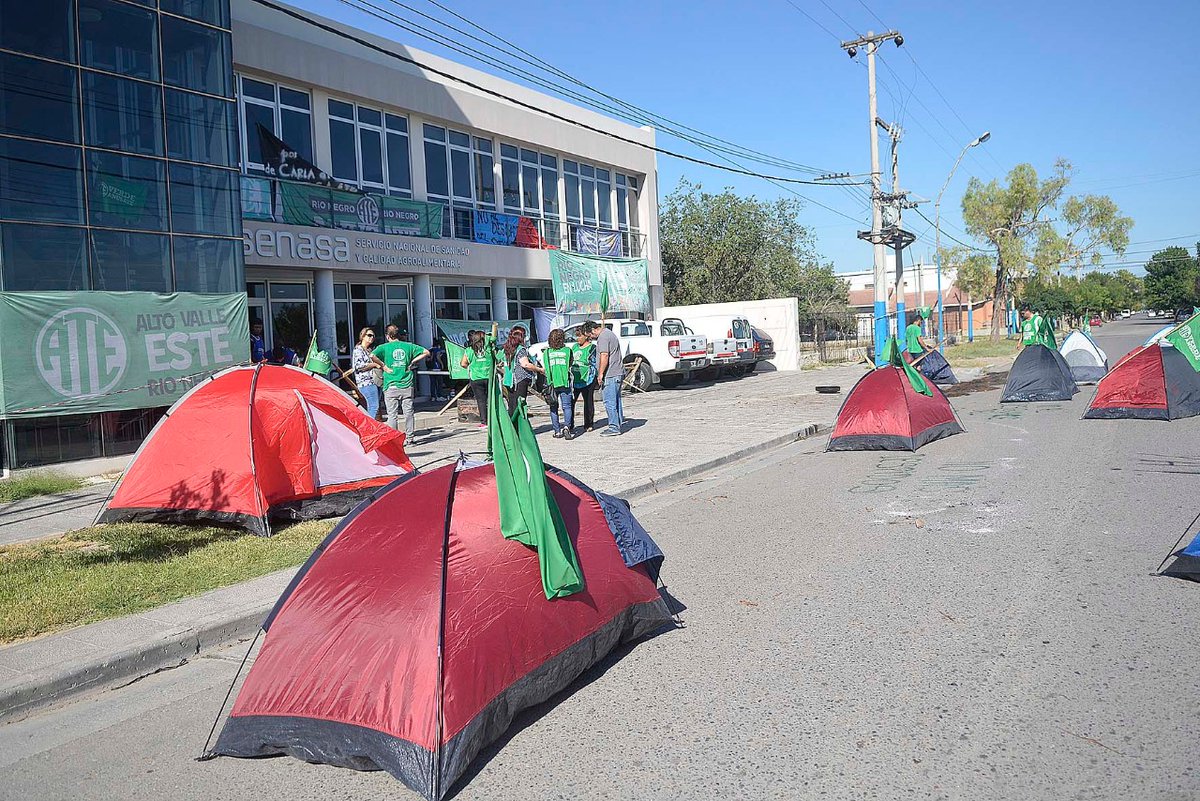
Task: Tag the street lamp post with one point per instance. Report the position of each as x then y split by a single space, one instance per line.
937 236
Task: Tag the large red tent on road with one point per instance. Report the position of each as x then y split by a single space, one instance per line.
256 443
1154 382
416 631
884 412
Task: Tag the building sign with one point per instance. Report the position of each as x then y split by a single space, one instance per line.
300 248
579 282
83 352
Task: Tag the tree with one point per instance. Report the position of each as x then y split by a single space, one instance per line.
1013 220
725 247
1173 279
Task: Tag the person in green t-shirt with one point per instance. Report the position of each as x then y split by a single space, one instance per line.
397 359
557 361
478 363
1030 327
914 343
583 375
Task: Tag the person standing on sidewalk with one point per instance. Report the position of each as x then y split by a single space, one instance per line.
611 372
478 365
364 368
519 366
397 359
583 375
558 377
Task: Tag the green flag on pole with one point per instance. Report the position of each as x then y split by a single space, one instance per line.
604 296
528 512
1186 340
454 355
895 358
317 361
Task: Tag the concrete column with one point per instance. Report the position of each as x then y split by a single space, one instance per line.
499 298
324 313
422 307
657 299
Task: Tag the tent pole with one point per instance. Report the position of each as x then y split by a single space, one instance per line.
1158 570
262 502
205 754
436 779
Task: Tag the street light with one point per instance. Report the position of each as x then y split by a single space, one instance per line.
937 243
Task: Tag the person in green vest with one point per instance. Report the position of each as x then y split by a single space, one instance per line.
397 359
583 374
1031 327
557 359
478 363
914 341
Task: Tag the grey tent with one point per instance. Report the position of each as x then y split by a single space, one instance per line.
1088 362
935 367
1039 374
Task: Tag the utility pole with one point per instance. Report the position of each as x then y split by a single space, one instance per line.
875 236
897 198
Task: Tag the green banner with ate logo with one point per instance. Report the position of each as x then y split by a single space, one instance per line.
84 352
322 207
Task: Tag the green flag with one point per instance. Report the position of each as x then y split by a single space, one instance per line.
454 355
925 311
1186 340
528 512
317 361
895 358
1045 333
604 296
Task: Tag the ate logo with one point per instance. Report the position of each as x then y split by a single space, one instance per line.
80 353
368 211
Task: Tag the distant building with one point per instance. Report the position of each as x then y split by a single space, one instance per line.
920 289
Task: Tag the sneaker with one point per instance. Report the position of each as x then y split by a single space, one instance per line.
558 434
568 434
483 425
610 432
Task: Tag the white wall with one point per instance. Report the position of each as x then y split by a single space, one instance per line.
778 317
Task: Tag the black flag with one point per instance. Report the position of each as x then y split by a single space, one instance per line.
283 162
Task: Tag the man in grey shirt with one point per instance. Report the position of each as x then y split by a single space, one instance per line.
611 371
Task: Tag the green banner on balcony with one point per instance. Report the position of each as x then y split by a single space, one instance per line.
322 207
85 352
580 281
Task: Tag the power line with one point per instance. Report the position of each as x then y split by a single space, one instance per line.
520 103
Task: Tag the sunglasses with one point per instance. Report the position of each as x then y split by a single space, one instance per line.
368 334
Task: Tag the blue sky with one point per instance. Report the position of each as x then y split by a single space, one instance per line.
1111 86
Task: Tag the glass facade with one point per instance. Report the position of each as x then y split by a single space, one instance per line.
118 171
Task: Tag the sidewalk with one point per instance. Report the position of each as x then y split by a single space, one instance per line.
47 515
671 434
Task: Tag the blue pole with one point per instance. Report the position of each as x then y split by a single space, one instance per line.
970 321
881 329
941 326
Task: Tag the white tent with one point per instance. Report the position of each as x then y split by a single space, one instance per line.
1087 361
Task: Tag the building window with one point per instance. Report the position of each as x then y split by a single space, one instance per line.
603 198
399 312
510 178
40 182
485 174
203 200
369 148
479 302
124 261
43 28
121 114
214 12
399 167
285 112
447 302
571 183
522 300
550 209
120 38
196 57
43 258
208 265
201 129
126 192
291 314
627 215
38 99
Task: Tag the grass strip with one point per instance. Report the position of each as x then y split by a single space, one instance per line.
982 348
27 486
122 568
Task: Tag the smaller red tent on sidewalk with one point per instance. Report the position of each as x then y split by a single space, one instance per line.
1154 382
884 413
255 443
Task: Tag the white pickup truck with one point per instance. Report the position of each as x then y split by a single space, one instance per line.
668 352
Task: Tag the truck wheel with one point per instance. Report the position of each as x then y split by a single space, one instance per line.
643 377
750 367
672 380
734 371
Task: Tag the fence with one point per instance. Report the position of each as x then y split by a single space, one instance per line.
833 337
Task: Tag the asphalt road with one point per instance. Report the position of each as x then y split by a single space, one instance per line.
973 621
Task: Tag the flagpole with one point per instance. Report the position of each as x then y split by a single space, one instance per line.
461 392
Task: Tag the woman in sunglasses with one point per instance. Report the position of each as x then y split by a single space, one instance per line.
364 371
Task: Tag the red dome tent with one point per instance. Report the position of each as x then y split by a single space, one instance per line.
884 413
253 443
416 631
1151 383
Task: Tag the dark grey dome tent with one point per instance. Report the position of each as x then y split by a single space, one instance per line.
1088 362
1039 374
935 367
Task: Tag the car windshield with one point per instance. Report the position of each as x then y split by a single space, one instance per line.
741 329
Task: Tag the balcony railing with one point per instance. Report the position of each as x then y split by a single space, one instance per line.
294 203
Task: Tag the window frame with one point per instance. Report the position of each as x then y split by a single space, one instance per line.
278 107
